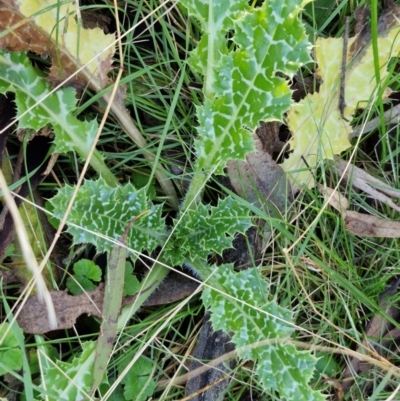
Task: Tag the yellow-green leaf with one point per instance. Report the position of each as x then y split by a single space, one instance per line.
318 128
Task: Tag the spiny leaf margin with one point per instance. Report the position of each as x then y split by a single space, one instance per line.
241 86
216 19
207 229
68 380
105 212
31 88
246 313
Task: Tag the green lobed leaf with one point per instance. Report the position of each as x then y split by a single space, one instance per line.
31 88
207 229
252 319
10 351
241 86
87 268
138 382
69 381
86 271
283 368
101 212
79 284
216 19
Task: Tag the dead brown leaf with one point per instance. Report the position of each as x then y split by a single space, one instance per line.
366 225
389 17
176 286
210 385
363 225
259 179
360 179
18 34
33 317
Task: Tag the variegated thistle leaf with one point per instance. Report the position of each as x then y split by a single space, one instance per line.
206 229
216 20
252 319
70 380
36 108
101 213
32 90
241 85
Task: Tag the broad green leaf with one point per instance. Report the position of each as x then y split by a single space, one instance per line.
242 87
31 88
70 381
10 351
86 271
216 19
207 229
252 319
29 84
101 213
87 268
138 382
116 393
326 366
9 251
79 284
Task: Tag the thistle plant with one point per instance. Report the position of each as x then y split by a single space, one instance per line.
245 82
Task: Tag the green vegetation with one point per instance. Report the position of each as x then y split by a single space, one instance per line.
298 313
